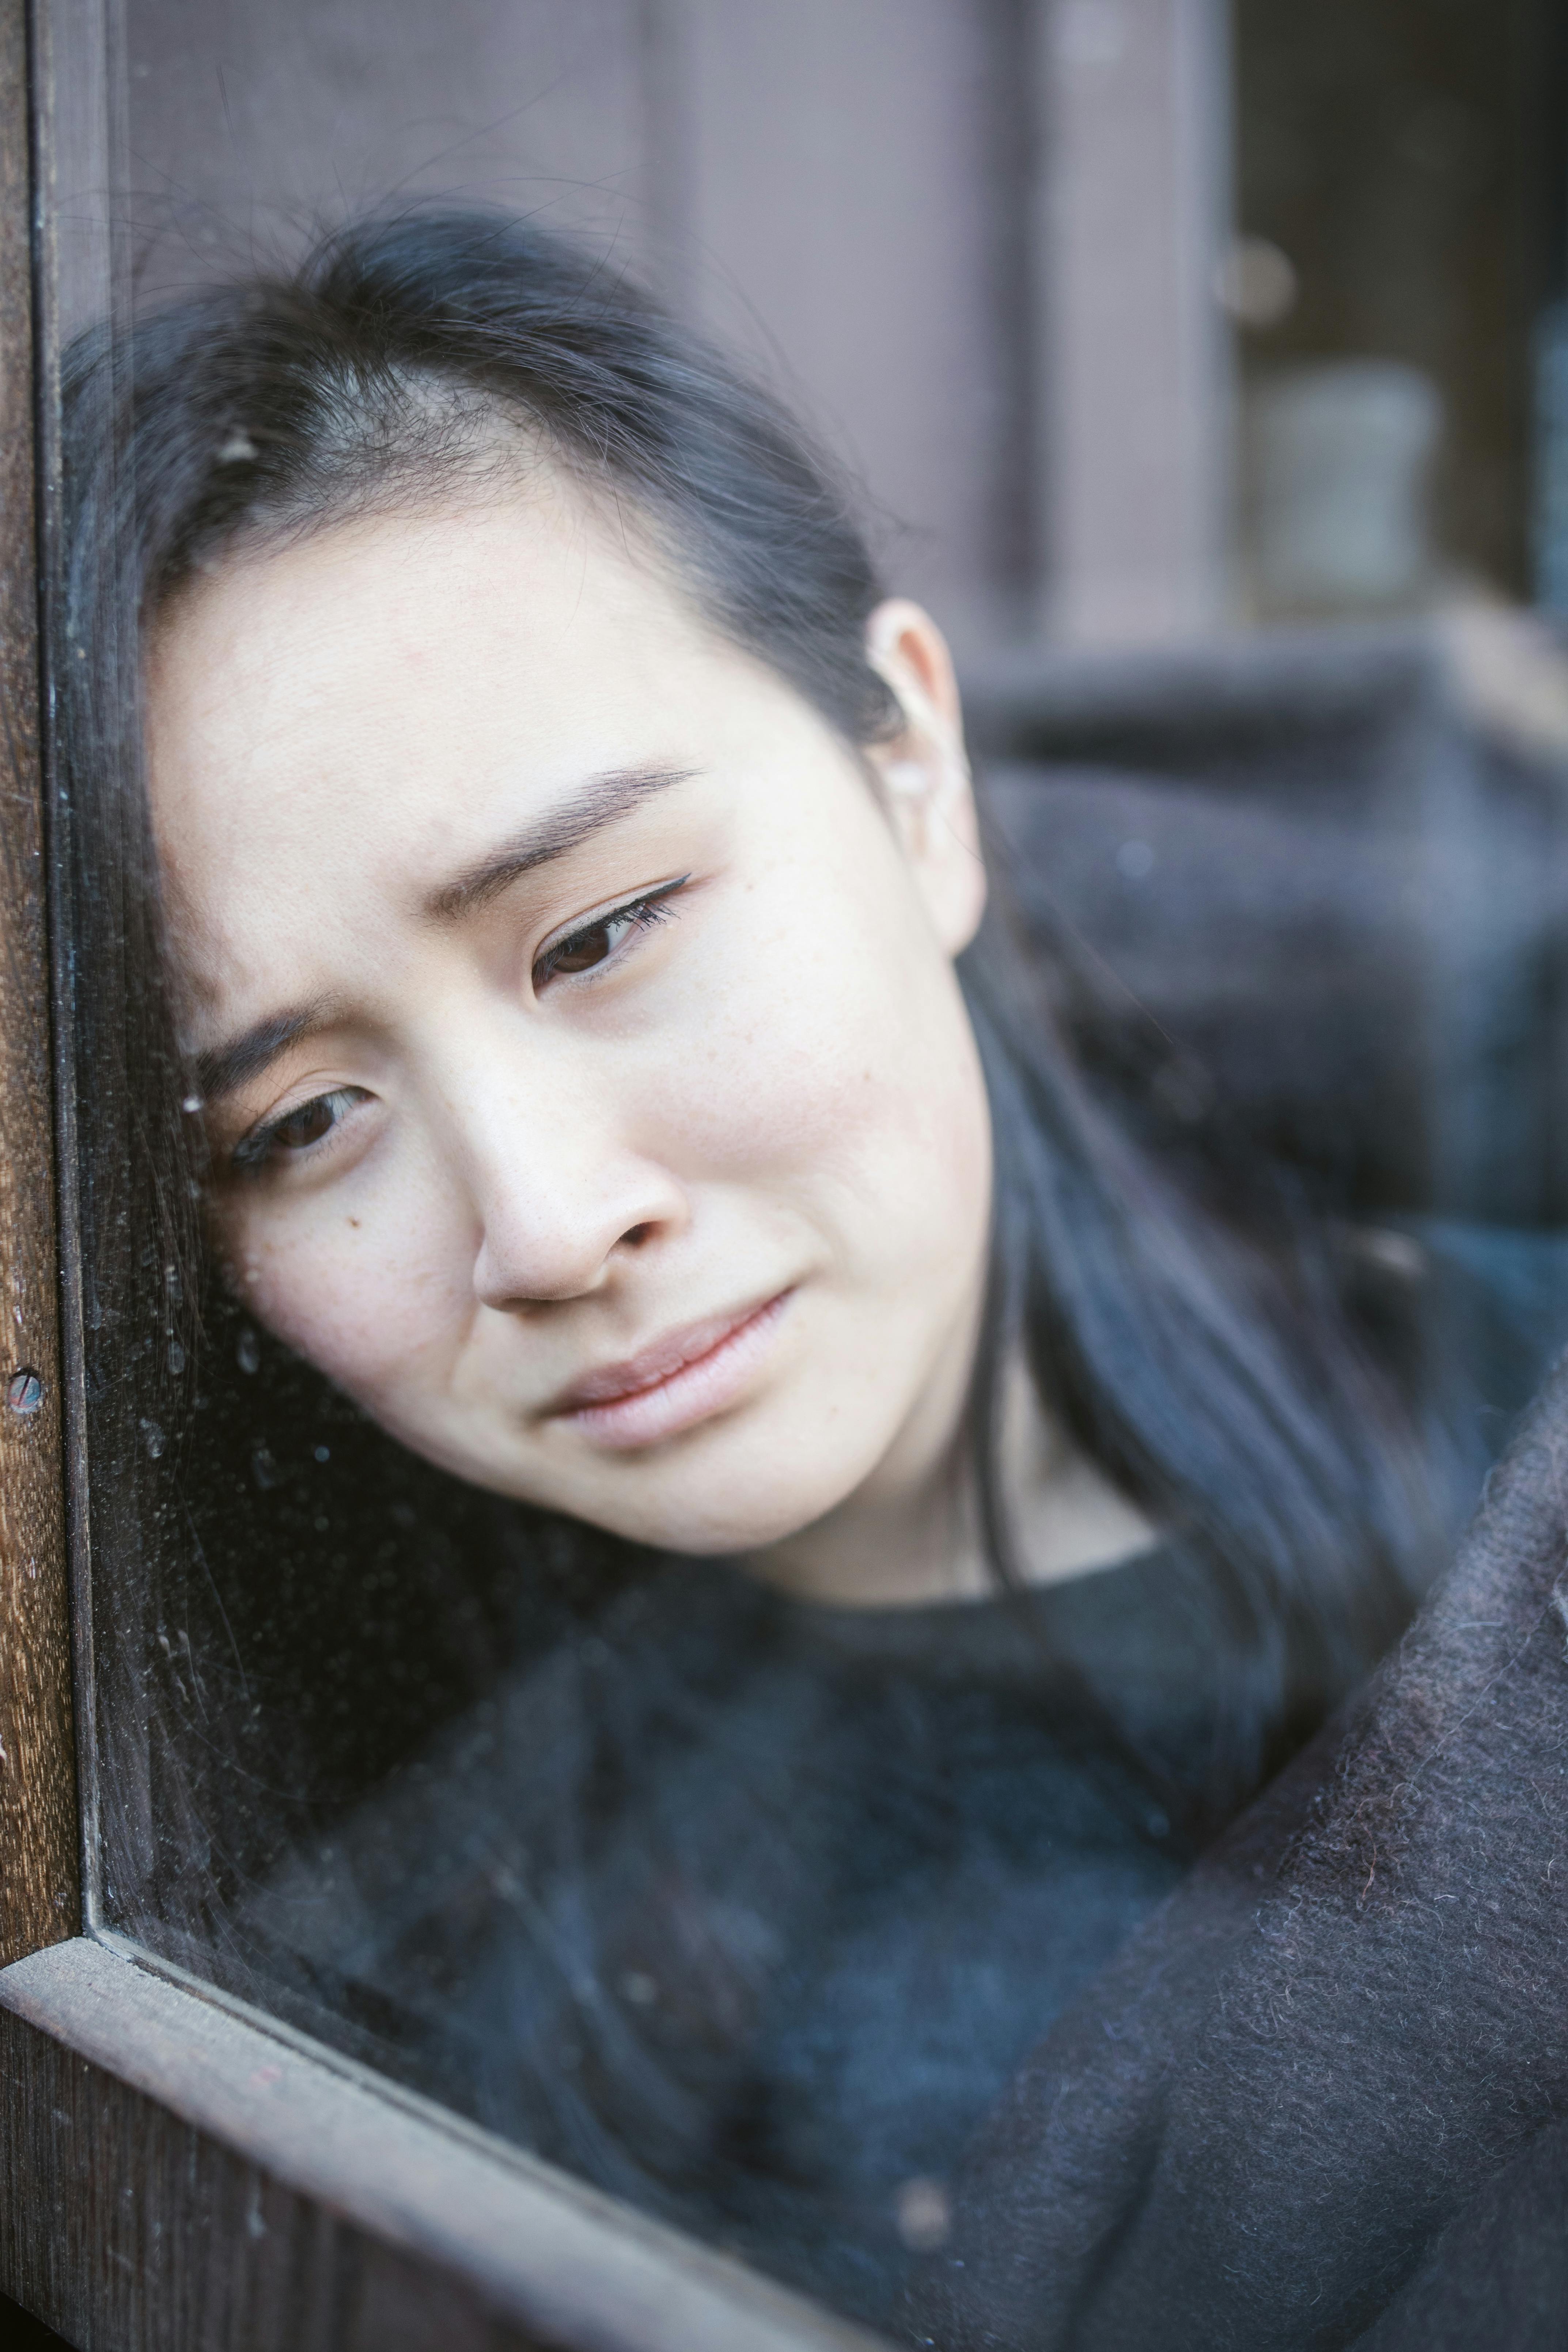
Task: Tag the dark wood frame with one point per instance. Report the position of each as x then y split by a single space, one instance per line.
178 2174
40 1895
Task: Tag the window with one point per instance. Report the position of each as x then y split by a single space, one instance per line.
444 1900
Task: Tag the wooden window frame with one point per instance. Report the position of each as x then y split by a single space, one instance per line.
177 2172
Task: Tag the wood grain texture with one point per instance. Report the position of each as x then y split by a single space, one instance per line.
39 1889
180 2178
124 2228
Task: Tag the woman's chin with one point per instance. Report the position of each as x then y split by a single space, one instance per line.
749 1500
716 1527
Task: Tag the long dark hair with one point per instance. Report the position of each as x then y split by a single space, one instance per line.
1194 1347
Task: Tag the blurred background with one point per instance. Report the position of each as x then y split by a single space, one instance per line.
1137 317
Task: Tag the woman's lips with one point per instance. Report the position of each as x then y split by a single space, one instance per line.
680 1380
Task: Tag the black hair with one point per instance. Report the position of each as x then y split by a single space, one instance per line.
405 353
1193 1345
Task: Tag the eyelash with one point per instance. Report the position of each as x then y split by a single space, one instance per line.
252 1155
642 914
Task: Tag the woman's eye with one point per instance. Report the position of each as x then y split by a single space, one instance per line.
297 1131
584 950
598 941
304 1126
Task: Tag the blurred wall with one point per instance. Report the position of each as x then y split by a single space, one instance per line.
1135 414
972 239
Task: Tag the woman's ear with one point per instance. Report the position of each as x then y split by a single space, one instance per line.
924 772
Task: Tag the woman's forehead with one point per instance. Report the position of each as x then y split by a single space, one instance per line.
402 671
531 585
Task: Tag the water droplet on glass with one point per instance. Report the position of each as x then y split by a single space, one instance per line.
177 1357
263 1467
323 1453
191 1105
248 1352
1135 860
153 1438
922 2212
25 1392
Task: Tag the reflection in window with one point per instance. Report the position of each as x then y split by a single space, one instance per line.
715 1459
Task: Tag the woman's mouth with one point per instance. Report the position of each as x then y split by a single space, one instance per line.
687 1377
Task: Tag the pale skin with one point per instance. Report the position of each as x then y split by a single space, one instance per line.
592 1093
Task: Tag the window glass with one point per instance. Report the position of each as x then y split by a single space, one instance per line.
819 1136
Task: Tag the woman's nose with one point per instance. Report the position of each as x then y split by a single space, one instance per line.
558 1199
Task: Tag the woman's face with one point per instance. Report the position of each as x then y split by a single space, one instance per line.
589 1088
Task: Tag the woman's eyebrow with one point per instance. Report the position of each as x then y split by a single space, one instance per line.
219 1069
602 801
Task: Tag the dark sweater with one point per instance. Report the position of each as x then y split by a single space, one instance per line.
1321 2099
748 1910
751 1911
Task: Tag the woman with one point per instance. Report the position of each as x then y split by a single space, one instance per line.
556 994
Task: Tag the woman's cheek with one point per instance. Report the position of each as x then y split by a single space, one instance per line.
360 1297
857 1066
779 1063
